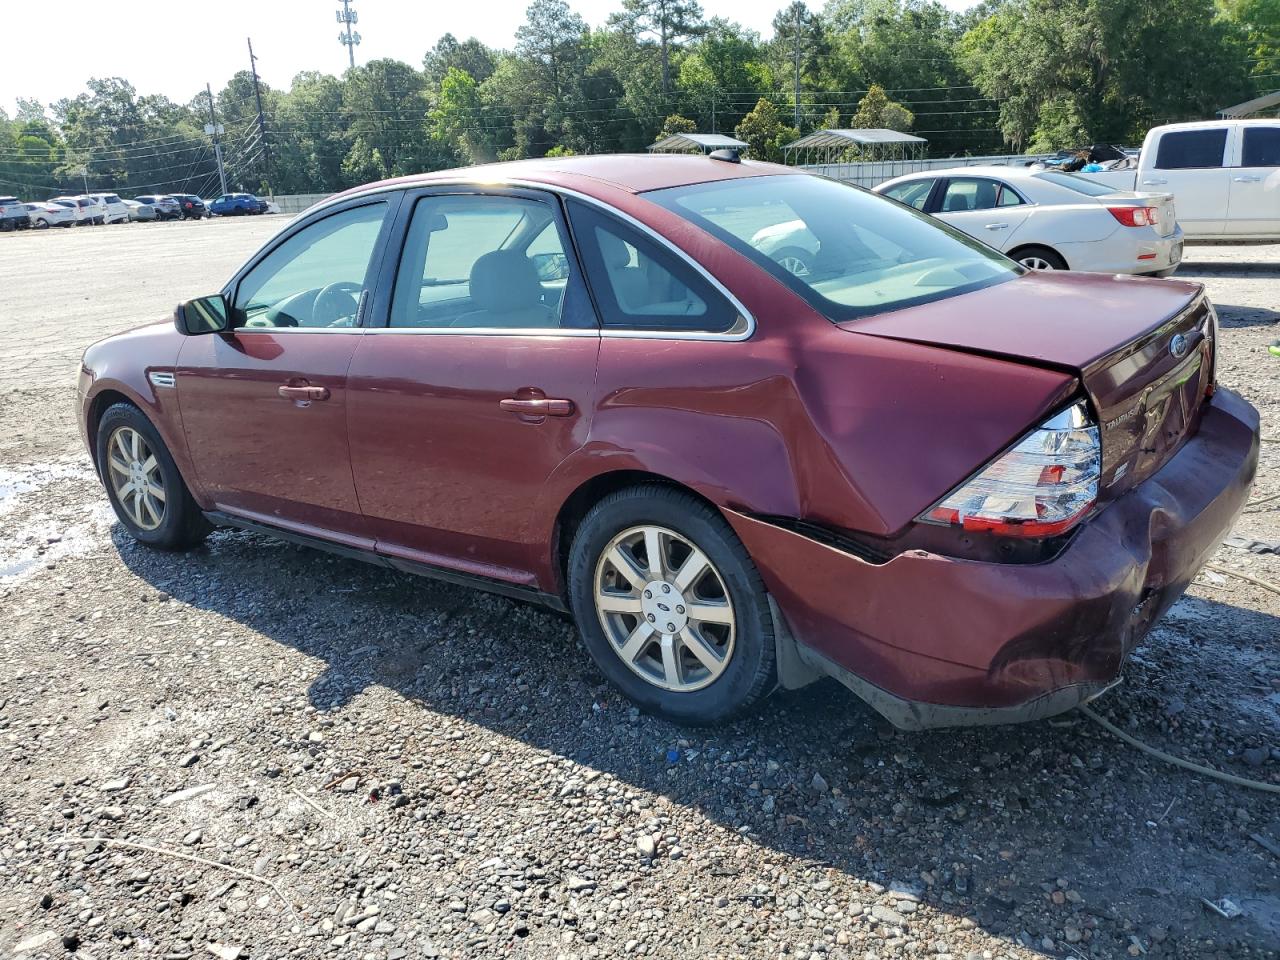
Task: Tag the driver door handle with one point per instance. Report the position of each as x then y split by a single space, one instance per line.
997 226
538 407
1246 179
303 393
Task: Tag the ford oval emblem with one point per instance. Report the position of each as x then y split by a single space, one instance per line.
1178 345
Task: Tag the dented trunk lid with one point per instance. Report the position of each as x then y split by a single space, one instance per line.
1141 348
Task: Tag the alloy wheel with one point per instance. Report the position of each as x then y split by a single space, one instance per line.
794 266
136 478
1036 263
664 608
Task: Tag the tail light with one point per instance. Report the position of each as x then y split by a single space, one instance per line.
1136 216
1039 487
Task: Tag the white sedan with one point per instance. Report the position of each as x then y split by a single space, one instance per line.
48 214
1050 220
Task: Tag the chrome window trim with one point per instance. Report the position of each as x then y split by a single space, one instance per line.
487 331
732 334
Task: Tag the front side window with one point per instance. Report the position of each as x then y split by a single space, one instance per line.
1261 147
641 285
1191 149
914 193
315 277
485 262
861 254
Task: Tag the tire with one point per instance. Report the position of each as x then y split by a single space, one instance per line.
40 224
795 260
181 525
742 666
1039 258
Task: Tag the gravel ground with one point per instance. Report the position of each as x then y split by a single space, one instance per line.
369 765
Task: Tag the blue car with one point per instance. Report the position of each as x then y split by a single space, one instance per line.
236 204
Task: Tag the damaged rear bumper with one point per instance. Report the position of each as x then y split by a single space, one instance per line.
932 641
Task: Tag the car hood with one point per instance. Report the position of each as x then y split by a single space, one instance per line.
1142 349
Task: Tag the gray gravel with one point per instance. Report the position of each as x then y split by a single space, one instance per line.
377 766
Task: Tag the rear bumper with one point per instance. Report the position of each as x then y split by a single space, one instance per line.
933 641
1127 250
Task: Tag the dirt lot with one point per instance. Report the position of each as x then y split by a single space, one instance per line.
499 800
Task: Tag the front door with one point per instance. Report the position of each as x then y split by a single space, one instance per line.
1191 164
476 386
1254 209
264 406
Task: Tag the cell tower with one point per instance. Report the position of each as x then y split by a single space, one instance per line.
346 17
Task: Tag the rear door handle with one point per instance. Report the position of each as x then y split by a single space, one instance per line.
537 407
303 393
997 226
1153 181
1246 179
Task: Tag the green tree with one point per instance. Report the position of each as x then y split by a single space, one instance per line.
764 132
1258 23
877 111
386 106
799 46
668 22
676 124
470 55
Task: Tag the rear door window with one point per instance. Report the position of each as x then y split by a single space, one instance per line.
914 193
1191 149
970 193
1261 147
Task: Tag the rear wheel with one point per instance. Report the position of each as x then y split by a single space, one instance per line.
143 484
40 223
670 606
795 260
1039 258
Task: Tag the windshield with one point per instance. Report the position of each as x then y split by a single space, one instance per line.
1090 188
848 252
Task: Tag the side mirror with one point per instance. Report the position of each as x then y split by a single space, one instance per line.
551 266
203 315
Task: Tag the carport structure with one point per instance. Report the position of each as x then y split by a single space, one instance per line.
863 144
696 143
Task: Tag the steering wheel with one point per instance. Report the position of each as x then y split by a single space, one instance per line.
336 304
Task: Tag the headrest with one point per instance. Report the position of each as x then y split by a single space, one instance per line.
616 253
504 280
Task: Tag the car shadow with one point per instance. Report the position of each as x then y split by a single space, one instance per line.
1232 315
990 824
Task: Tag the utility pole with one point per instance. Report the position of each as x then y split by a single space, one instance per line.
214 129
796 43
262 123
347 17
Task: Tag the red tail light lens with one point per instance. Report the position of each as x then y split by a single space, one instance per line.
1039 487
1136 216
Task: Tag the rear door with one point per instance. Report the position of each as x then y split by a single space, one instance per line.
476 383
1192 165
264 406
987 209
1254 207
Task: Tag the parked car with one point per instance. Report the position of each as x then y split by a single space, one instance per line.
964 488
191 206
88 210
1222 174
49 214
13 214
114 208
136 210
165 208
236 204
1049 220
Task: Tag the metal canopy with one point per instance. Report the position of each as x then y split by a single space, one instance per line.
1250 107
868 143
696 143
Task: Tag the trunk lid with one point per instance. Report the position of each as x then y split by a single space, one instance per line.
1142 349
1161 201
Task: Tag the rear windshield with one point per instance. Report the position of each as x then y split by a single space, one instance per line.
1090 188
847 251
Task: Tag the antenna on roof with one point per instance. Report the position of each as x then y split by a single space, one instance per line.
726 155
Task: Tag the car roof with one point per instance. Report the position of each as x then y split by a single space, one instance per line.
633 173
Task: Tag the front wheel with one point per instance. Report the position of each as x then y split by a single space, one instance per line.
1039 258
795 260
670 605
143 483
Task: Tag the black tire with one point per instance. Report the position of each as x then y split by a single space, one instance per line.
182 525
1051 257
39 224
751 671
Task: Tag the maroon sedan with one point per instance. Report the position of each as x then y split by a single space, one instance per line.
964 489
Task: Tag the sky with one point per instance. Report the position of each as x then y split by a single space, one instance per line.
174 49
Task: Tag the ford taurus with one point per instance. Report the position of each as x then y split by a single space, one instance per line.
963 488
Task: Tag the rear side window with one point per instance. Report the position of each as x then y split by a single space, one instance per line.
915 193
971 193
1191 149
641 285
1261 147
